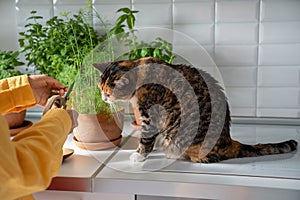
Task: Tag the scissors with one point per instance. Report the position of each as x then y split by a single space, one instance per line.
59 101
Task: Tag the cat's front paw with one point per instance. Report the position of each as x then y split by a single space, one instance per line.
136 157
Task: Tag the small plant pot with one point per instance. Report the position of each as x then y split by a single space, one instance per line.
99 131
16 122
15 119
136 124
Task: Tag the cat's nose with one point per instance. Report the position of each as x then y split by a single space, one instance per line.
104 98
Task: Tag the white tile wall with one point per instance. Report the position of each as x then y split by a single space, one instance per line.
242 76
279 61
279 76
280 10
192 12
255 43
236 33
23 12
34 2
236 55
280 54
237 11
160 15
280 32
202 33
108 10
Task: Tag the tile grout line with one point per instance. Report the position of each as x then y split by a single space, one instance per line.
214 30
258 56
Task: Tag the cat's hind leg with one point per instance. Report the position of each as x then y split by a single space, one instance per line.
193 154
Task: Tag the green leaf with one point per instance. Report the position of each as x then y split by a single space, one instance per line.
63 52
144 52
125 10
34 17
130 21
157 52
121 19
65 14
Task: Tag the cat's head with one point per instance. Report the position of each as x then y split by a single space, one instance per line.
116 82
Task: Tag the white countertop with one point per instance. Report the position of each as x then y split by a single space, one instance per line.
274 175
111 171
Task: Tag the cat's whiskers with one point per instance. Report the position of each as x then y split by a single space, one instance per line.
114 109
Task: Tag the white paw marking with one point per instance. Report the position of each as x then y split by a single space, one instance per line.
136 157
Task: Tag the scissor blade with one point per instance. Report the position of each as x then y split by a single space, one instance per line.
69 91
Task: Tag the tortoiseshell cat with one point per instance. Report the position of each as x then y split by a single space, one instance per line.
184 104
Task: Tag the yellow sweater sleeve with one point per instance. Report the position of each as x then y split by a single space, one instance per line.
33 157
15 94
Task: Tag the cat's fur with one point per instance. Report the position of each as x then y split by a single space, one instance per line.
184 104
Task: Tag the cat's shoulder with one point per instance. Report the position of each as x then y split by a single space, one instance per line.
139 61
149 60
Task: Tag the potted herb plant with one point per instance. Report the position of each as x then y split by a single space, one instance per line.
99 124
58 49
9 60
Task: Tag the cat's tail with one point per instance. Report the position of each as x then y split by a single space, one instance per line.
238 150
243 150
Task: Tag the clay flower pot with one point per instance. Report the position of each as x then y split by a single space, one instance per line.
99 131
15 119
136 124
16 122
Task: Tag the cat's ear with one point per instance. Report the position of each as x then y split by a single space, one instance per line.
101 66
123 81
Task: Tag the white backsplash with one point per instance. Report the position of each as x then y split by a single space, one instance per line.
255 43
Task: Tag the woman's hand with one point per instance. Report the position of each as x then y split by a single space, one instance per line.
42 87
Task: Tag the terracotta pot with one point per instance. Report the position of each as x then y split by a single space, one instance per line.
74 116
15 119
136 124
99 131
